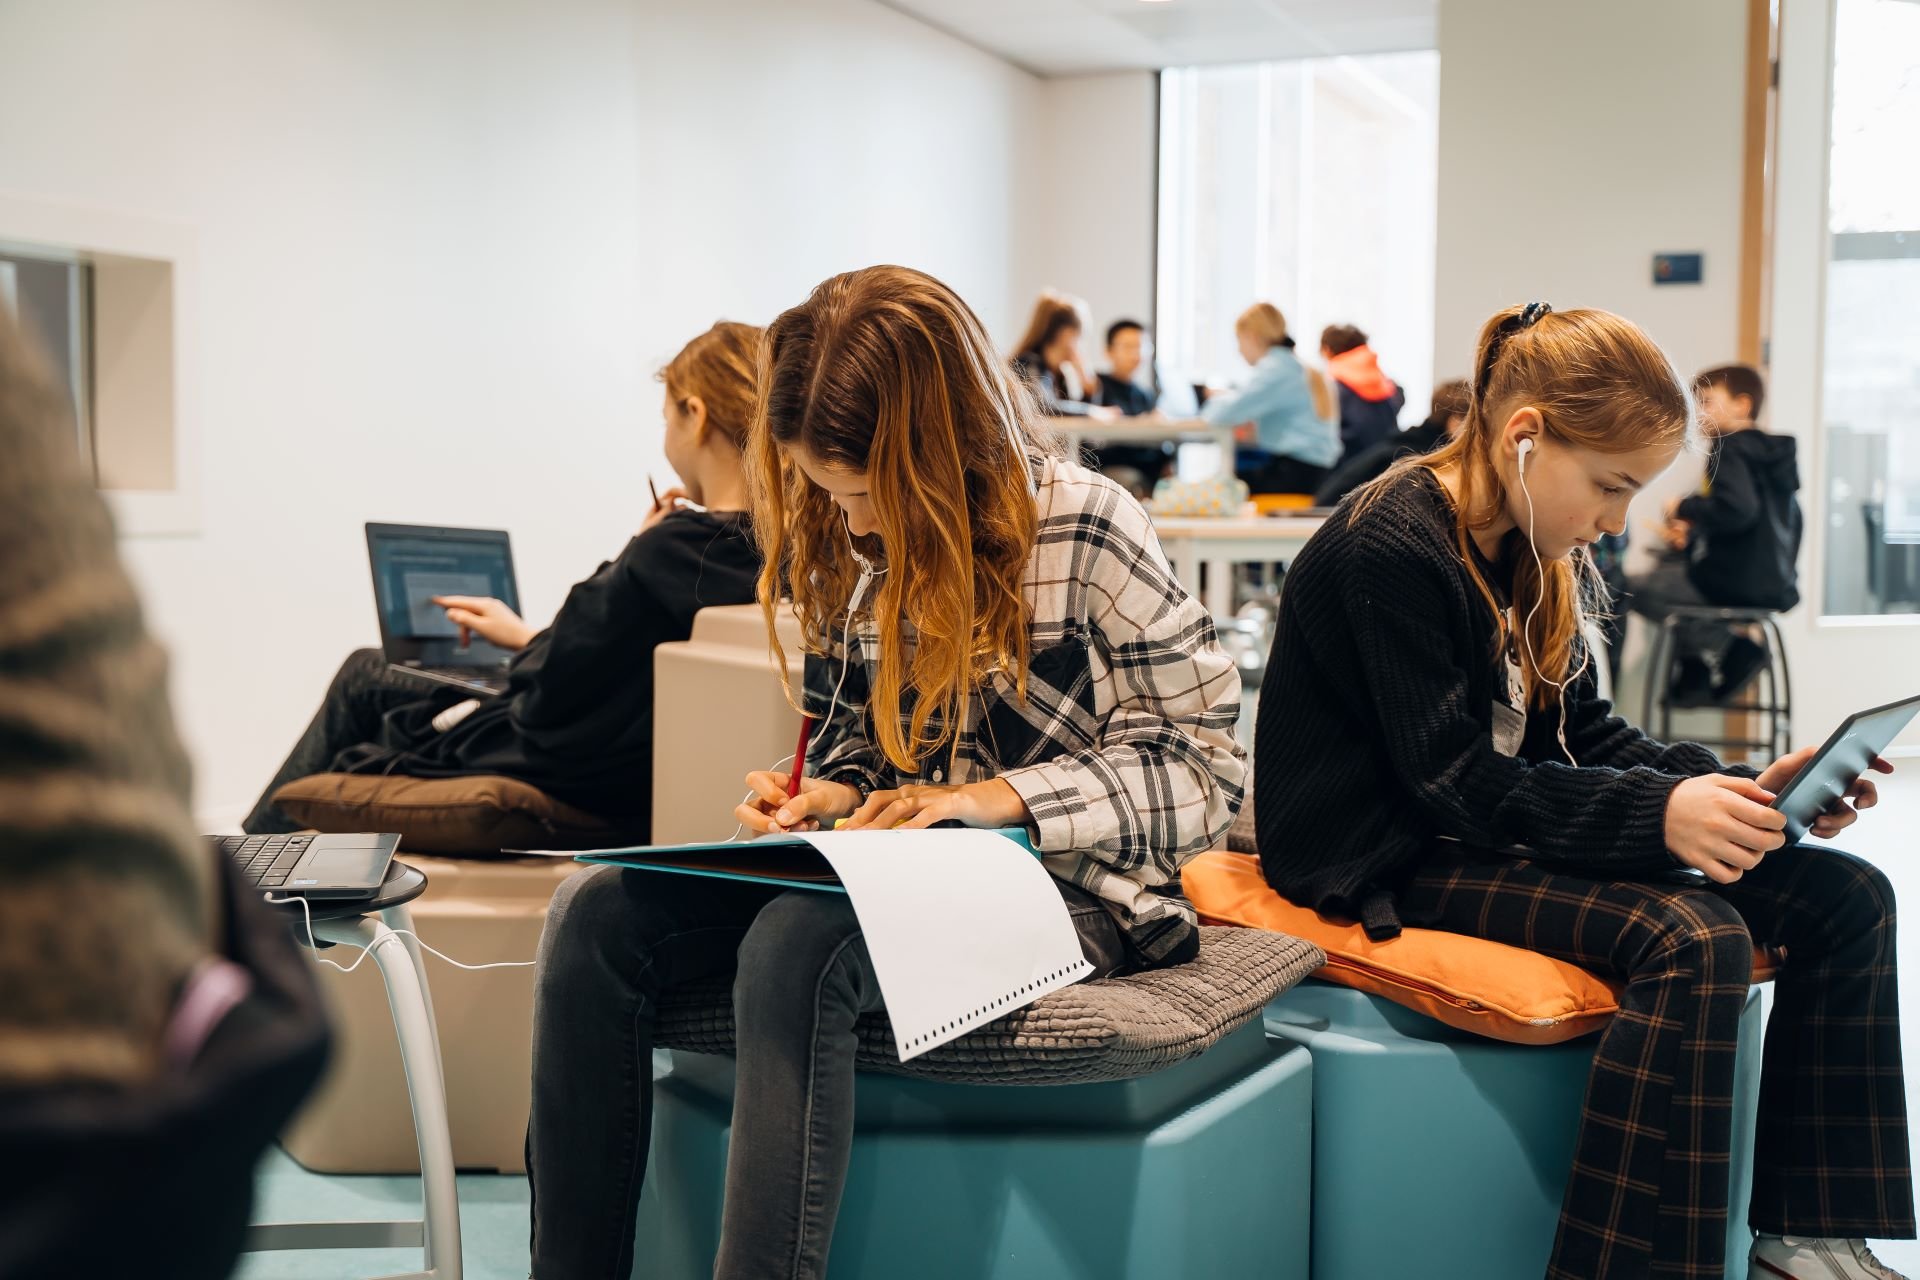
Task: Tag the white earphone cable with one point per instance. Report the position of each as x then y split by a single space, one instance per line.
366 949
1540 570
867 574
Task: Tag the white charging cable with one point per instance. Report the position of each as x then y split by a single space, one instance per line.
367 948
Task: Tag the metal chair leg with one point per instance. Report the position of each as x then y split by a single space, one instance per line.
1669 649
1654 676
1777 641
437 1232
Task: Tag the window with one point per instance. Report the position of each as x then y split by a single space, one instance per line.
1871 379
1309 184
123 343
49 295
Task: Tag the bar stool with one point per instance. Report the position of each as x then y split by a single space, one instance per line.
1777 703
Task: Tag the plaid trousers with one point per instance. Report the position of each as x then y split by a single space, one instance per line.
1648 1190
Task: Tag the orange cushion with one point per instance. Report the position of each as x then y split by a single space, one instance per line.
1489 988
483 814
1268 504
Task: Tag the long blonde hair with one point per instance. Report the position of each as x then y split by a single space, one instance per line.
887 371
1598 382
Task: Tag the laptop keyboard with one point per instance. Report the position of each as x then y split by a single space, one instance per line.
265 860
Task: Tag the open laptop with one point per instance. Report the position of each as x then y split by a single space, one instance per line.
312 866
413 563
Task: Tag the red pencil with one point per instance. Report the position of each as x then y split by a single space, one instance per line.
800 757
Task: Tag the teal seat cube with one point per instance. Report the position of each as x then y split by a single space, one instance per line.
1449 1152
1198 1169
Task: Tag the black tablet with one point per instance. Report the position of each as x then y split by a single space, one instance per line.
1840 759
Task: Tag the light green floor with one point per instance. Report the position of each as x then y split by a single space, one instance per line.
493 1223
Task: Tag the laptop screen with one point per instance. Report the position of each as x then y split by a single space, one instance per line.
413 564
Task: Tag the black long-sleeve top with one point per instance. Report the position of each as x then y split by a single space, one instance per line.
1375 730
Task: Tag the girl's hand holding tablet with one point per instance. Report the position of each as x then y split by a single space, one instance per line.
1863 794
1721 825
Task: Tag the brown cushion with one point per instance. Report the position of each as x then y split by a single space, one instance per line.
483 814
1107 1029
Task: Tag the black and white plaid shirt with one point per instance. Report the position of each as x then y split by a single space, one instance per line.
1124 750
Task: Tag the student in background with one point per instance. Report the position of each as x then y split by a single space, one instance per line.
576 719
1432 750
1289 405
1448 415
1021 657
1735 544
1370 401
1137 466
1126 352
1051 346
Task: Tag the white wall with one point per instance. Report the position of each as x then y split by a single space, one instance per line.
441 249
1089 198
1576 141
782 142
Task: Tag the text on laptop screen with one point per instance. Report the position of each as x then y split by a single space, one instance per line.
410 571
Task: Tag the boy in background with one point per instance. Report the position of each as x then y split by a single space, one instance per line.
1370 401
1138 466
1735 544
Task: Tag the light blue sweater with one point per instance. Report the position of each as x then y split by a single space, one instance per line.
1279 403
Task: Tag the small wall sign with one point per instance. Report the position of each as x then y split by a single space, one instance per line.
1677 268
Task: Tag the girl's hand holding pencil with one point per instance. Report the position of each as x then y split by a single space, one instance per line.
774 810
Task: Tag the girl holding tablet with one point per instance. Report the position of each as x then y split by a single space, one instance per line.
1432 750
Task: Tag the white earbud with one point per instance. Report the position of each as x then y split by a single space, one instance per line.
867 570
1526 447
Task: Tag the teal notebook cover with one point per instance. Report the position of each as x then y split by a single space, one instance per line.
790 861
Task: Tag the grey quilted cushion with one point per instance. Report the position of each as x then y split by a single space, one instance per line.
1240 837
1110 1029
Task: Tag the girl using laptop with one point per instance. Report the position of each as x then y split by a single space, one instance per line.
1021 656
576 719
1432 750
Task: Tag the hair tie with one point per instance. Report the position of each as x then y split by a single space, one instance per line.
1528 317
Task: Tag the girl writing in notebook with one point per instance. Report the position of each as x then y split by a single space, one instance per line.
1021 657
1432 750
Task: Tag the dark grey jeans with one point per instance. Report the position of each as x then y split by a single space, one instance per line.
362 692
616 939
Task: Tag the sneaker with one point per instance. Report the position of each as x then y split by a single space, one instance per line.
1692 683
1740 662
1802 1258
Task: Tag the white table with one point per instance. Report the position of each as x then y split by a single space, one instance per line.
1220 542
1145 430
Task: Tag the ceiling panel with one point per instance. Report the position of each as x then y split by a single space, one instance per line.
1067 37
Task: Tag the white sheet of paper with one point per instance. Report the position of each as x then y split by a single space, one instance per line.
963 926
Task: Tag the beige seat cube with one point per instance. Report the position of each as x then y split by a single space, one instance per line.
719 712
